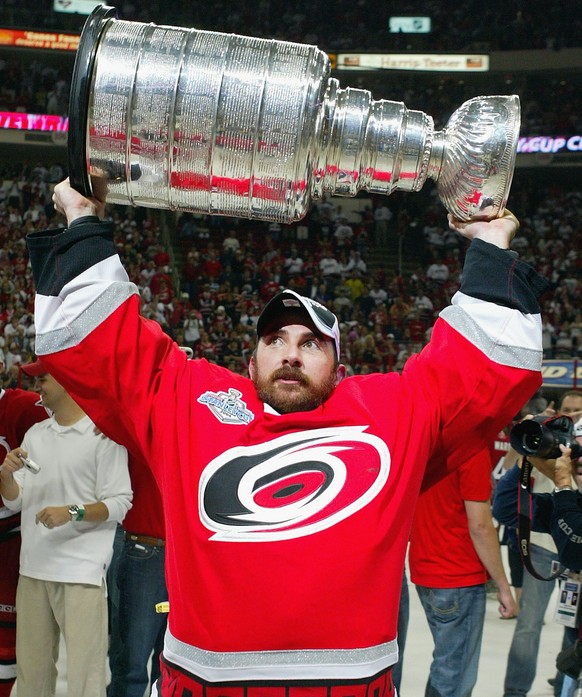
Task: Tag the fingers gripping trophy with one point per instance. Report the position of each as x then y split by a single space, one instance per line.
201 121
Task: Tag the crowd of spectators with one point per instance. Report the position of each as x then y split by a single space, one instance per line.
206 283
344 24
209 295
551 101
34 84
551 104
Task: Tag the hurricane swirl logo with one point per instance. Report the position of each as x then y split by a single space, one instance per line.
292 486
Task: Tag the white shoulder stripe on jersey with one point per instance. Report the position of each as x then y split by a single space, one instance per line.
66 327
55 312
306 664
508 337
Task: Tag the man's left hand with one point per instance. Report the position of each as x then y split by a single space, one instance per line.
53 516
498 231
560 471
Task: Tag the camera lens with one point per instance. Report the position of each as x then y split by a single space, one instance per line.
531 442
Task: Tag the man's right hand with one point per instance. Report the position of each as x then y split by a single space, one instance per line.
12 462
508 607
74 205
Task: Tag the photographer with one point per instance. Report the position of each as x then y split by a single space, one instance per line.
565 518
561 511
558 513
566 508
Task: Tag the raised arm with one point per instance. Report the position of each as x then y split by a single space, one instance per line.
488 366
89 328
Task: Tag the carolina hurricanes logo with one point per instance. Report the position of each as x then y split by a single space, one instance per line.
292 486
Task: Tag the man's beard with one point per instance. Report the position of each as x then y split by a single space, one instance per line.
302 396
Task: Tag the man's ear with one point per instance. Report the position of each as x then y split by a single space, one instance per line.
340 373
252 367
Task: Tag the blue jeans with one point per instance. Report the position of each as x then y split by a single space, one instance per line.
115 643
568 687
455 617
523 653
142 585
403 619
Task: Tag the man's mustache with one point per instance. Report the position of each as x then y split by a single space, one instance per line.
289 373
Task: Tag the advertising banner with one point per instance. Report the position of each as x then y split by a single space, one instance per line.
440 62
54 41
562 373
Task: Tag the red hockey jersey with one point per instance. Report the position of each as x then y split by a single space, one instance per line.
19 410
286 534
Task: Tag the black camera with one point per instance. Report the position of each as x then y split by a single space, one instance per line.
542 436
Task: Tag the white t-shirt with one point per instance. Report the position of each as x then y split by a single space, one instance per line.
77 466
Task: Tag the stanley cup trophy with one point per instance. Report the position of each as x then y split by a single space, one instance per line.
223 124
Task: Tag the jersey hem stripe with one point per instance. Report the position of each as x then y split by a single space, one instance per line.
311 664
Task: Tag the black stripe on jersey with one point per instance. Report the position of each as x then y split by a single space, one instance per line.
60 255
497 276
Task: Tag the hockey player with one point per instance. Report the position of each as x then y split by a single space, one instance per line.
288 496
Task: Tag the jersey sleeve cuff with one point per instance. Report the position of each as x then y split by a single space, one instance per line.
495 275
61 254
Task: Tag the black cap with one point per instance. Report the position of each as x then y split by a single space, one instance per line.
323 319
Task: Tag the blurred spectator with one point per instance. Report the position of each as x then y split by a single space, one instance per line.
382 217
343 233
438 272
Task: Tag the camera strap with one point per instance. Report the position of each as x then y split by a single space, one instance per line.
524 517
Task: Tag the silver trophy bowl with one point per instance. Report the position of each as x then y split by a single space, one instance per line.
201 121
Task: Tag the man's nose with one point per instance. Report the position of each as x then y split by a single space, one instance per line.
292 356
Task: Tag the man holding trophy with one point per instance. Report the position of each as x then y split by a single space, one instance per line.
288 496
